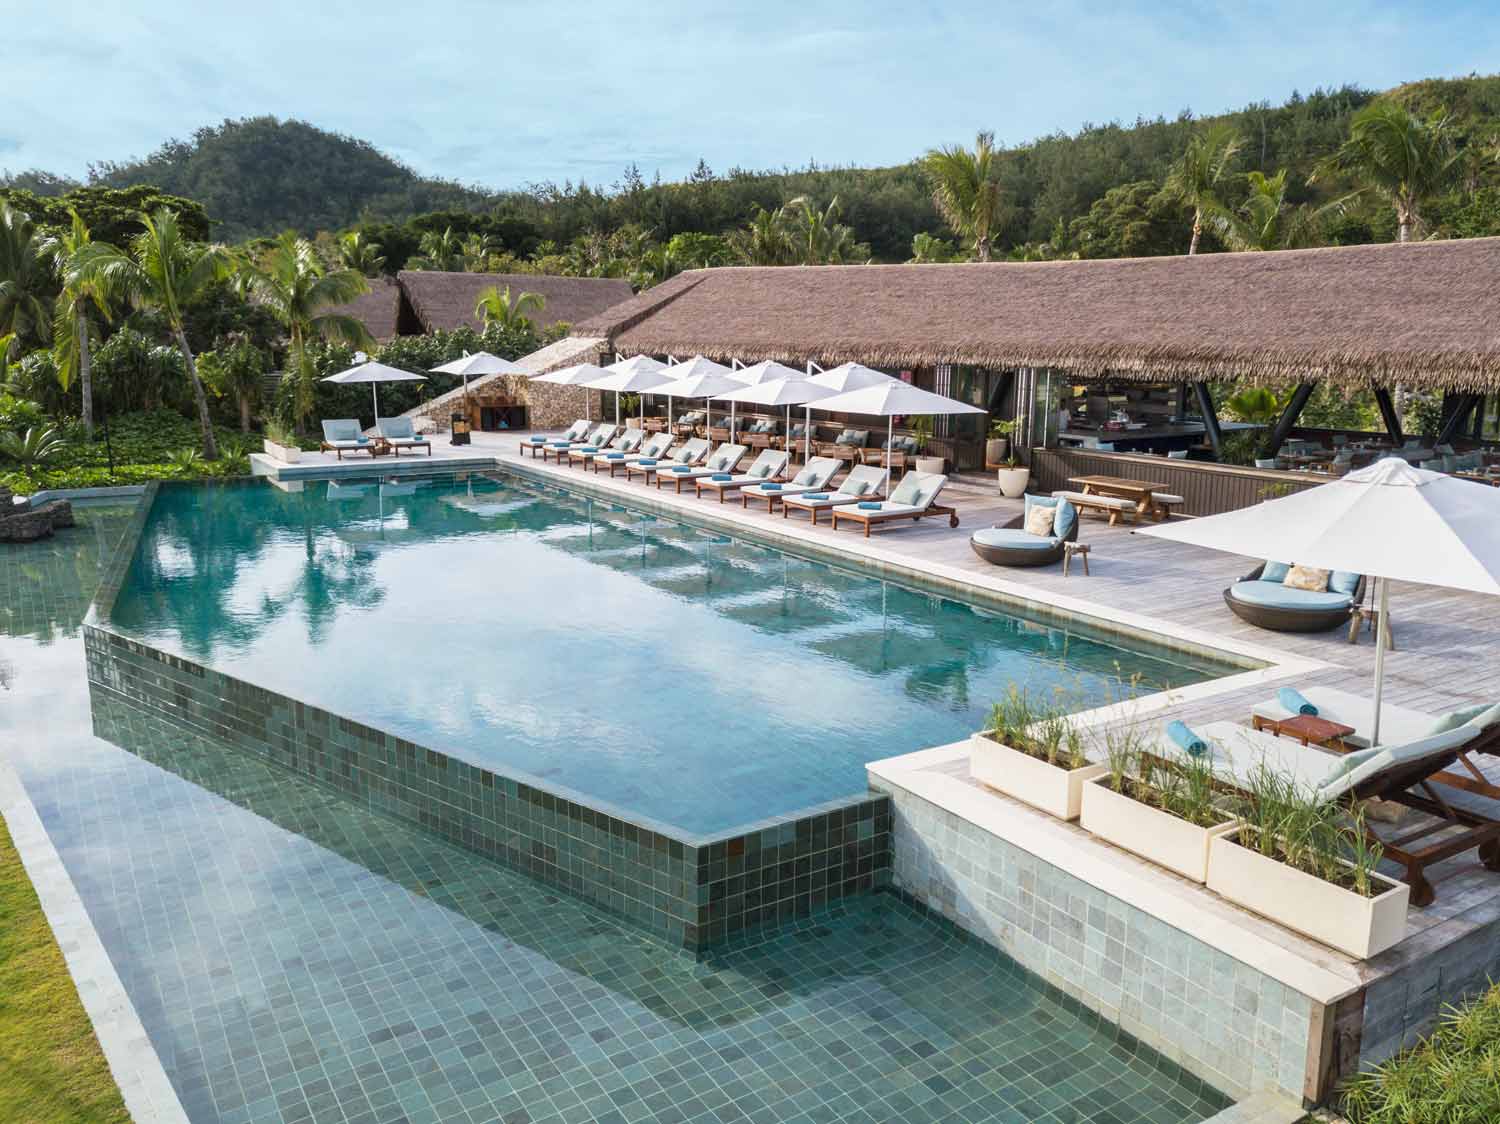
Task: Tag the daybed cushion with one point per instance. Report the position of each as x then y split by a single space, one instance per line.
1274 571
1013 538
1308 578
1342 581
908 490
1039 520
1063 521
1274 595
341 429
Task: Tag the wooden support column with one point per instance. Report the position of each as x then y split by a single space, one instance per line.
1288 420
1182 397
1210 416
1480 410
1389 416
1453 424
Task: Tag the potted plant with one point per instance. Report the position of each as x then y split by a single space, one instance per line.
281 443
1033 754
1310 867
997 446
629 404
1014 478
921 432
1163 809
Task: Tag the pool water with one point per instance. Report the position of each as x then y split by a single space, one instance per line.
295 957
646 666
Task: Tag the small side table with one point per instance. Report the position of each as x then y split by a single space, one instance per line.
1308 729
1370 618
1069 550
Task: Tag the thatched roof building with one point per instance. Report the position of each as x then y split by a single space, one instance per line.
1422 314
377 308
433 300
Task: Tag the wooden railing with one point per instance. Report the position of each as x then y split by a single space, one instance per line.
1206 488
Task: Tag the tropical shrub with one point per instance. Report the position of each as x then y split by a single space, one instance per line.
39 445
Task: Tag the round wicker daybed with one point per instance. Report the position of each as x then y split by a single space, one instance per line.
1280 608
1011 545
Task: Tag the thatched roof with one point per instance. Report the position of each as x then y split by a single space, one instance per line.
446 300
1422 313
376 308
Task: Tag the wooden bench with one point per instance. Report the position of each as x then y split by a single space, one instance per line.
1164 502
1112 506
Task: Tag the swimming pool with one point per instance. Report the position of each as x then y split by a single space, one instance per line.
637 663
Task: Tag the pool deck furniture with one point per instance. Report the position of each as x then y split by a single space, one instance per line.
1280 608
654 447
535 442
343 435
815 476
723 459
691 452
913 499
1369 618
863 483
1309 729
1073 550
769 466
1397 772
598 437
626 441
1144 497
1013 545
400 433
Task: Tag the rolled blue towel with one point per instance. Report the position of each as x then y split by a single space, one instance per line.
681 468
815 496
721 476
362 440
870 505
1295 701
614 456
418 439
535 440
647 461
1184 738
559 445
588 449
770 487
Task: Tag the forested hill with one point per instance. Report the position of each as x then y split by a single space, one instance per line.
1096 191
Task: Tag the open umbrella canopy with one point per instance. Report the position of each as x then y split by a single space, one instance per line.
851 376
635 363
697 378
698 365
479 363
788 392
374 373
892 397
769 371
636 380
1388 520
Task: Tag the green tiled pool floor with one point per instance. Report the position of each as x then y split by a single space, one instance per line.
295 958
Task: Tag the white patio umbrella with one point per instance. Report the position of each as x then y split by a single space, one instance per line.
636 363
577 375
1389 521
637 380
888 398
698 378
852 376
479 363
769 371
374 373
786 392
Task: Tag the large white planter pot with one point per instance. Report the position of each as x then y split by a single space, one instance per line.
1053 789
1349 922
288 454
1153 834
1013 481
929 464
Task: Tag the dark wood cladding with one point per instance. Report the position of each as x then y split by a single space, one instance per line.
1205 488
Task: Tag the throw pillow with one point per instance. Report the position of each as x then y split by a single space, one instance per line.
1307 577
1039 521
1274 572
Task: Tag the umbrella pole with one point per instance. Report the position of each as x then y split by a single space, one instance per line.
1382 604
890 441
807 437
375 399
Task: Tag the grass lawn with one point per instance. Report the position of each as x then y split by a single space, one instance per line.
51 1067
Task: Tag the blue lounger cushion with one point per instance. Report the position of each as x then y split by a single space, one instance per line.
869 505
1013 537
1275 571
1066 515
1274 595
1183 738
720 477
770 487
1295 701
1342 581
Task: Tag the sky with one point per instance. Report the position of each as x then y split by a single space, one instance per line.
505 94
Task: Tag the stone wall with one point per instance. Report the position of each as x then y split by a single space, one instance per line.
547 406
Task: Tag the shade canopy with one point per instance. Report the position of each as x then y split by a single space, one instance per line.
703 384
479 363
892 397
778 392
851 376
1388 520
375 372
769 371
637 381
635 363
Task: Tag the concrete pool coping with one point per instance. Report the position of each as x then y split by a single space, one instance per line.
133 1061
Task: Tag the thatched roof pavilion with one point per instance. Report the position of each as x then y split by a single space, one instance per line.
433 300
377 308
1423 314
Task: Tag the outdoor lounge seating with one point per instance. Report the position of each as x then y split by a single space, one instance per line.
721 460
814 475
691 452
1263 598
1111 506
598 437
626 441
652 448
913 498
400 433
863 483
1015 545
767 467
1396 771
536 441
343 435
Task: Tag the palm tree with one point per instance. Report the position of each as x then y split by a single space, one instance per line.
439 250
1404 158
477 251
927 248
818 238
1194 180
25 279
292 282
497 308
167 272
71 328
358 253
764 239
965 191
1265 221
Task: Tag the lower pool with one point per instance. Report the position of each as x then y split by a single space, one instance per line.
643 665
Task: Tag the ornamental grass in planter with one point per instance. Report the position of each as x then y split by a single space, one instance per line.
1034 753
1165 809
1310 866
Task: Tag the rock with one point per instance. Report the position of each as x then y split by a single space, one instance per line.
26 526
59 511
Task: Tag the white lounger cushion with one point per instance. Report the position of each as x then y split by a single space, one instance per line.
1397 723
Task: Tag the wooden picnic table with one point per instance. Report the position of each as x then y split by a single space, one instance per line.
1120 487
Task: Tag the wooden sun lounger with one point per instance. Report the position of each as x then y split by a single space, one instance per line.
874 518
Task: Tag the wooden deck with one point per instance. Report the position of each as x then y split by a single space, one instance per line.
1446 641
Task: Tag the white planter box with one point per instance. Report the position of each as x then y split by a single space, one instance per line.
1153 834
1053 789
290 454
929 464
1013 481
1347 921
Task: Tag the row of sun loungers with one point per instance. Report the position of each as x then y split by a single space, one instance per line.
860 499
392 435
